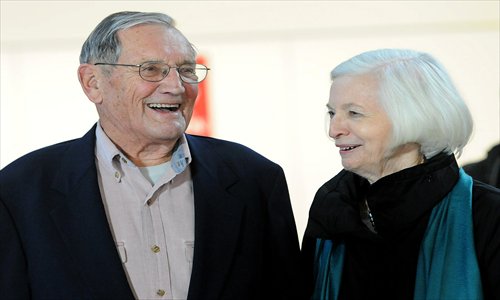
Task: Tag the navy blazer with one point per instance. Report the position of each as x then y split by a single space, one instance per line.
56 242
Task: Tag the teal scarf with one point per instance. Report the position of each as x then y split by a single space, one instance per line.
447 266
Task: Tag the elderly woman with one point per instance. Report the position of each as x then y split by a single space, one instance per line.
402 220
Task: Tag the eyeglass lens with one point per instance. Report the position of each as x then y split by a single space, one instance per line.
190 73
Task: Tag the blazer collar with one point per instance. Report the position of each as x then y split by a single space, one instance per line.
81 220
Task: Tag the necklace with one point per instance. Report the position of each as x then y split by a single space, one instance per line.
369 216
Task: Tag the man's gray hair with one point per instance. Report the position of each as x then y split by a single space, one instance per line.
103 43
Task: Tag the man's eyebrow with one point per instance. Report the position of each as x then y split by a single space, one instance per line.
163 62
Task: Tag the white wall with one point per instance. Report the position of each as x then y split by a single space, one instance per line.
270 65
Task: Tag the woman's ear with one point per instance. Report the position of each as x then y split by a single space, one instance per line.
88 77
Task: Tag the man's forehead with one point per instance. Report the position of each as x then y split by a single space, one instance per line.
171 37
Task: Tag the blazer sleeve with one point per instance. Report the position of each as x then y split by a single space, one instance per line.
283 243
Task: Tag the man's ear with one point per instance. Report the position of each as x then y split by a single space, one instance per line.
88 77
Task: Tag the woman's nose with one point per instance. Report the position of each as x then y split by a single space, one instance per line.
337 127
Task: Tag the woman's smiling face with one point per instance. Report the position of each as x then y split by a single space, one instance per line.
360 126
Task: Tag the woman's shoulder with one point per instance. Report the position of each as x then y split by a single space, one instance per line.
337 183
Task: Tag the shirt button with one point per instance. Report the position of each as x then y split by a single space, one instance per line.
117 174
124 160
155 249
160 293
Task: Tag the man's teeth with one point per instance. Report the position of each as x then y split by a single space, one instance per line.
347 148
164 106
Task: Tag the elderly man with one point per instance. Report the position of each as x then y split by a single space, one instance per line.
136 208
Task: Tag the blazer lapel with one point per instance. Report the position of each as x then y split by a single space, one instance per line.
218 218
81 219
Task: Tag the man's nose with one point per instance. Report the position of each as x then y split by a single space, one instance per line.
172 83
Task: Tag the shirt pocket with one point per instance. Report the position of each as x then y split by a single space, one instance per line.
120 246
189 251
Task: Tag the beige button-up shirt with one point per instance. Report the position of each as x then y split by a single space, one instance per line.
152 224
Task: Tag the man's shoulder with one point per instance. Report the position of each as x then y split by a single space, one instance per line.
225 150
54 153
43 160
226 147
29 163
206 140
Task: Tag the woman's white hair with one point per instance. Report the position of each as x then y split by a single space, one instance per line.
419 97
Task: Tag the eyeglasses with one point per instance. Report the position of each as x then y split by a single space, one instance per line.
156 71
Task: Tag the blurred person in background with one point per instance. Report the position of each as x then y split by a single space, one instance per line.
136 208
488 169
401 220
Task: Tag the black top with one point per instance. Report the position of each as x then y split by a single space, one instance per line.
383 264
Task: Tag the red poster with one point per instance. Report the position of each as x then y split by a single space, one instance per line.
201 122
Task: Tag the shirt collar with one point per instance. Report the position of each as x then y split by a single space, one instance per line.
181 157
107 150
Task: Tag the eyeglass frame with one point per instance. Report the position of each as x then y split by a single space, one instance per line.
166 74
